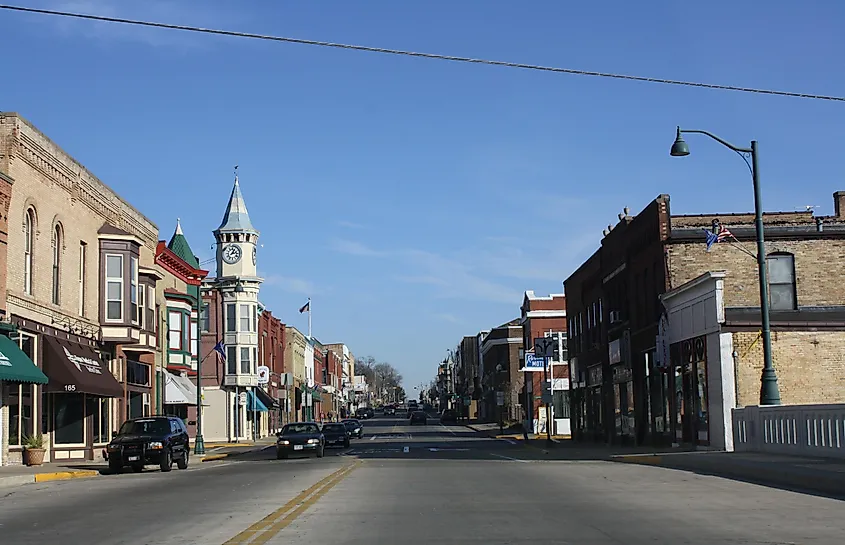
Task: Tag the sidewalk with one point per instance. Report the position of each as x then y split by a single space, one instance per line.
492 430
17 475
802 474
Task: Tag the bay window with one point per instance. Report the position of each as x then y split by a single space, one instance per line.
133 289
114 288
231 319
245 363
245 319
231 360
174 330
194 338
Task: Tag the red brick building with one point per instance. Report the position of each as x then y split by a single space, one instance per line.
334 368
271 352
322 400
545 317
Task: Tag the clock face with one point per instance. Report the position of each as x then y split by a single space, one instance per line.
254 256
232 254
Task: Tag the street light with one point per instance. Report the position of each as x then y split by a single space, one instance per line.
199 443
769 394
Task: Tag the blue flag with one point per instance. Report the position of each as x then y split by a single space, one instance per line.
219 348
712 238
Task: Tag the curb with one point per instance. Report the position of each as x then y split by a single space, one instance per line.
65 475
224 455
810 482
19 480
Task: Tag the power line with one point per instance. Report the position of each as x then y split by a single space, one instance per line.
435 56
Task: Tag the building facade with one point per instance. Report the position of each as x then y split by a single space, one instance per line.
232 298
502 380
295 348
276 393
180 284
546 379
653 364
81 288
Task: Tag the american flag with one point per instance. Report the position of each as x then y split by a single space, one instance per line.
724 234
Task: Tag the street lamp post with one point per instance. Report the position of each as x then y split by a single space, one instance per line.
199 443
769 394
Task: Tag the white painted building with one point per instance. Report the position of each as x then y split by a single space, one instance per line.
704 382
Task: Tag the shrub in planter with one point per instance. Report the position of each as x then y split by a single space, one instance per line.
33 454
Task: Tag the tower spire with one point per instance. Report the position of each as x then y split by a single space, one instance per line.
236 217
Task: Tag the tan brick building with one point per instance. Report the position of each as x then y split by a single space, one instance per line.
72 239
687 322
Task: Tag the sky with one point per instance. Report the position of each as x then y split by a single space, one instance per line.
416 200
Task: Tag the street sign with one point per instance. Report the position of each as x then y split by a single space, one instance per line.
544 347
534 363
242 398
263 374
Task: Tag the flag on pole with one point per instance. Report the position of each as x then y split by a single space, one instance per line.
712 238
724 234
219 348
306 307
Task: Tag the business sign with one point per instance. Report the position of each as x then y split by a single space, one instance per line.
92 366
534 363
263 374
614 350
4 361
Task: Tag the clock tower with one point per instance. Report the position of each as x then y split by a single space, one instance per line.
237 284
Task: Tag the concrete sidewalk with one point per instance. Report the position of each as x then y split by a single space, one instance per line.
492 430
801 474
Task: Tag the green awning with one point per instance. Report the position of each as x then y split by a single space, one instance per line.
15 365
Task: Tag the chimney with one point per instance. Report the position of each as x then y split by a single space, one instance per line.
839 204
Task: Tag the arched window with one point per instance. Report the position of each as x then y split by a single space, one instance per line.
29 242
57 257
782 293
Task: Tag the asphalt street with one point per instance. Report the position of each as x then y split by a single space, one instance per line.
417 485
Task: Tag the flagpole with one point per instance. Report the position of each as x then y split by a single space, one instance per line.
309 317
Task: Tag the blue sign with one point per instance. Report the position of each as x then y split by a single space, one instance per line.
534 363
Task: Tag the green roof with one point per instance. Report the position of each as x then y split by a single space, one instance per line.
15 365
179 246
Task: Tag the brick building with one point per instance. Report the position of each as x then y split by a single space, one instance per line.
345 394
499 366
81 293
542 317
321 399
278 391
467 376
664 335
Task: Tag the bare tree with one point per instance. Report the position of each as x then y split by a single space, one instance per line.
380 376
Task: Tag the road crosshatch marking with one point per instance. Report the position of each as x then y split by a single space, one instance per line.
265 529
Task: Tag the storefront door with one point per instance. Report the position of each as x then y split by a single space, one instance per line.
691 420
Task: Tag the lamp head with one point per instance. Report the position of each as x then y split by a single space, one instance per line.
679 148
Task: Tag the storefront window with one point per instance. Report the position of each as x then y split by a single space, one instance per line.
100 410
69 419
560 403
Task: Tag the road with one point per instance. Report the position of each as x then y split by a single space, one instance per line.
450 486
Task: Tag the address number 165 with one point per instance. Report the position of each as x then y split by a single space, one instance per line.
70 387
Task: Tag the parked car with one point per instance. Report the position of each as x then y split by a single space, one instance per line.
355 427
156 440
390 410
336 434
449 416
300 438
418 417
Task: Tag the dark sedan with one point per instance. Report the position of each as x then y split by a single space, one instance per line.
418 417
336 434
355 427
300 438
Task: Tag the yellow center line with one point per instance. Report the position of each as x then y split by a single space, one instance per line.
270 525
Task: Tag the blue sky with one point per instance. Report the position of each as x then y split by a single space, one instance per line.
415 200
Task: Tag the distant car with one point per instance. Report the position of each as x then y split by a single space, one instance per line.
449 416
157 440
389 411
364 413
300 438
418 417
336 434
355 427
